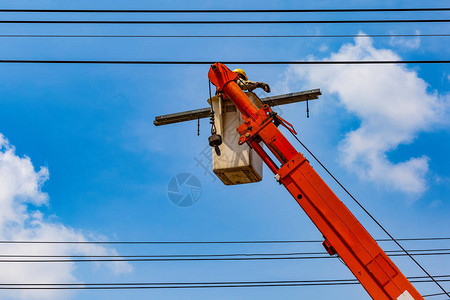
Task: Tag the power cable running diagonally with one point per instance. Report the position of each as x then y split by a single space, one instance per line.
175 285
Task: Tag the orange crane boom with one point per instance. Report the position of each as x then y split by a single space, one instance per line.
343 233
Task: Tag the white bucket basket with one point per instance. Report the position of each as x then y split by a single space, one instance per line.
237 164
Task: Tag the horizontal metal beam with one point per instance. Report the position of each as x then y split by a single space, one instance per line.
205 112
182 116
292 97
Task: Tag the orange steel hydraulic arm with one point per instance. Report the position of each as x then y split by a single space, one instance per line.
343 233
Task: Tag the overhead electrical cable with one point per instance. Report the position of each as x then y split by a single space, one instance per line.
443 277
219 36
196 257
168 62
393 252
325 10
174 285
199 258
208 242
209 22
432 295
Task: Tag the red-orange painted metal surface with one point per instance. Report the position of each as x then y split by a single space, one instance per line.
342 231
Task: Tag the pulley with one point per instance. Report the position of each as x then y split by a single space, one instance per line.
215 140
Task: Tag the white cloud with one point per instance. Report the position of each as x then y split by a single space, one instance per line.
393 105
411 43
20 185
323 48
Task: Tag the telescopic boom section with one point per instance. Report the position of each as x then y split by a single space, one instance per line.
343 233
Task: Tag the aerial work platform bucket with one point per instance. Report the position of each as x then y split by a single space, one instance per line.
237 164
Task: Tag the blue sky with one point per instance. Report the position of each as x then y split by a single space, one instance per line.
106 167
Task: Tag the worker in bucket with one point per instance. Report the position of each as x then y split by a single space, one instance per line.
249 85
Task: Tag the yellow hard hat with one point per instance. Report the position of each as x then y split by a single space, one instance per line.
241 72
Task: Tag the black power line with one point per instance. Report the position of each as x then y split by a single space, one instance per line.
151 285
219 36
393 252
432 295
443 277
168 62
184 22
333 10
196 258
208 242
